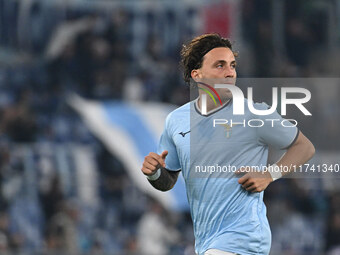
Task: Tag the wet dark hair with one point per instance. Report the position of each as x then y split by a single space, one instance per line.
192 53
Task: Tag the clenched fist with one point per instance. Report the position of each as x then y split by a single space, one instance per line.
254 181
153 162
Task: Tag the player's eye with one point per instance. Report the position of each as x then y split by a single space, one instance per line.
233 65
219 65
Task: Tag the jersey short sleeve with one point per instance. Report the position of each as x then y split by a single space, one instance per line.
166 143
276 131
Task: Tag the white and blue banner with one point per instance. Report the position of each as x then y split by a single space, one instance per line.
130 131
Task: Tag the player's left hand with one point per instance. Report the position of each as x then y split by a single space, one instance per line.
252 180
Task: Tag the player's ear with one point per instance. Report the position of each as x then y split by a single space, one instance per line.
195 74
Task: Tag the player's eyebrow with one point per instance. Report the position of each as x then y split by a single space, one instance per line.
223 62
219 62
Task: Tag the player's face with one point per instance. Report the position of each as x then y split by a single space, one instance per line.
219 63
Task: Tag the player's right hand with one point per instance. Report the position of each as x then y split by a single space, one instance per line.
153 161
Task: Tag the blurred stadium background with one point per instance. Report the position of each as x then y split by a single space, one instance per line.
67 184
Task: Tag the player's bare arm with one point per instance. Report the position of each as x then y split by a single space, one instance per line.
297 154
164 179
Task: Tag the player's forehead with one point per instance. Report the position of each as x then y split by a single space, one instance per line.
217 54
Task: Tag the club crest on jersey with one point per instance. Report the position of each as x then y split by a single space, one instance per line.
228 130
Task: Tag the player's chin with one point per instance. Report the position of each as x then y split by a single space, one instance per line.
230 80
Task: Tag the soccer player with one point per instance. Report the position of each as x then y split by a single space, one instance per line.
228 213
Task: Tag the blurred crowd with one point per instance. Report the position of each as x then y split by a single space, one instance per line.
116 53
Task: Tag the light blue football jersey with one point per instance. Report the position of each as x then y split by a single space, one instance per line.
225 216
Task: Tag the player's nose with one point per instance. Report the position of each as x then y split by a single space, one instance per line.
229 73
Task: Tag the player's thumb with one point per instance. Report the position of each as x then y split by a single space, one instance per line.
164 154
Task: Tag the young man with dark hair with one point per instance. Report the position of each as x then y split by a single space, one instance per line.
228 214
